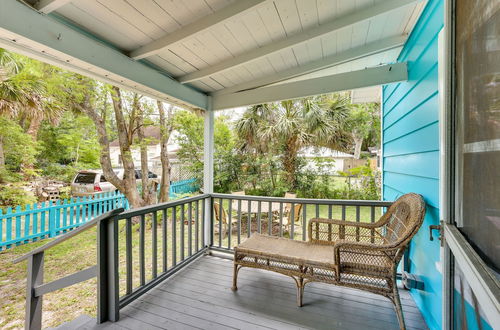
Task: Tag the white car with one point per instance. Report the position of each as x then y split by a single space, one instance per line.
91 182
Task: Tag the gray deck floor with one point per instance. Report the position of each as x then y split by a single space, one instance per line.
199 297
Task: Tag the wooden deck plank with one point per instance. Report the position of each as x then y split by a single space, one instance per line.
323 303
199 297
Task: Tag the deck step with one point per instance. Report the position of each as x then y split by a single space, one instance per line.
79 322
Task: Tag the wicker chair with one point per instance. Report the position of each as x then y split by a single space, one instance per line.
226 227
354 254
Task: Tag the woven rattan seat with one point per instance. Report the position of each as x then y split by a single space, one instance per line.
301 253
354 254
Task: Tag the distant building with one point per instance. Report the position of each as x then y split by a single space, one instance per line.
340 161
152 134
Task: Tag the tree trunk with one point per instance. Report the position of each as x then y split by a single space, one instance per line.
148 189
166 128
290 161
34 126
358 142
128 182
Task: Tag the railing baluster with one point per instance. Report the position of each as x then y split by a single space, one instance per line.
239 221
249 218
154 254
128 254
304 222
174 236
206 200
270 219
357 220
221 219
230 222
142 238
281 220
190 230
197 226
342 228
259 208
372 220
164 232
291 220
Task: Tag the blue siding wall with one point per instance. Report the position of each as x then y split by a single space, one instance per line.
411 150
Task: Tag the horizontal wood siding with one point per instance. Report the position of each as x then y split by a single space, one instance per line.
411 150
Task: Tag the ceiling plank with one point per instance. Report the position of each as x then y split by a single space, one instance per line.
333 25
329 61
50 37
344 81
198 26
48 6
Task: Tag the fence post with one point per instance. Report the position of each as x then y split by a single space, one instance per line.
33 318
108 307
52 220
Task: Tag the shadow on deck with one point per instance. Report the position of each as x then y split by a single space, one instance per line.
199 297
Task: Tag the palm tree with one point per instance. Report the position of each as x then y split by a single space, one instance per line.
23 95
287 126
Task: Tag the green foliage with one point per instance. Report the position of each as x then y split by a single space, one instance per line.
11 195
19 147
190 138
72 142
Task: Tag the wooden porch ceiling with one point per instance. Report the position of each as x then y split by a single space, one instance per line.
220 47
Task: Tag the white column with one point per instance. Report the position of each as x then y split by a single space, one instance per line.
208 167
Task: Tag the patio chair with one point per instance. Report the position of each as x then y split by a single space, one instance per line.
359 255
223 217
287 212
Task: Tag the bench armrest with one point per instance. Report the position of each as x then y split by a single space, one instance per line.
328 231
378 255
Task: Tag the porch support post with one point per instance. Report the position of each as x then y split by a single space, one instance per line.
208 169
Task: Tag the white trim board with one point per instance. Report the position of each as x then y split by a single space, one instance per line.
344 81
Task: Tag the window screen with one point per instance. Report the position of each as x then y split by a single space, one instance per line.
477 100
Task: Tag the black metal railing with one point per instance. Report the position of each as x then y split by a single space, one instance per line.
139 248
236 217
146 245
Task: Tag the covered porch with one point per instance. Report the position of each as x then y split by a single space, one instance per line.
175 271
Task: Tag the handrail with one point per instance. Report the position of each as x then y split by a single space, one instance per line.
158 207
346 202
67 236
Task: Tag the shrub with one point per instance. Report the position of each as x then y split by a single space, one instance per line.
12 196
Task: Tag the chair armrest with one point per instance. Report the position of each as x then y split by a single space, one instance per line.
367 254
328 231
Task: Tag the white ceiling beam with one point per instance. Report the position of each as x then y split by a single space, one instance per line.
48 6
315 86
198 26
333 25
329 61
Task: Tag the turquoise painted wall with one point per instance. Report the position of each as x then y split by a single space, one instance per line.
411 150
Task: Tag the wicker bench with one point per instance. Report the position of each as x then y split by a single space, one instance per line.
353 254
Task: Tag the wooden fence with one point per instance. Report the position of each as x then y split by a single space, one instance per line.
49 219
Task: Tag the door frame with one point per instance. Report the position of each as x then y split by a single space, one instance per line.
456 249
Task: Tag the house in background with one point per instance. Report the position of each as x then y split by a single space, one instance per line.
334 161
152 134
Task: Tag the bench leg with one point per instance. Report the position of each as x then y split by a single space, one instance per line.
300 290
235 277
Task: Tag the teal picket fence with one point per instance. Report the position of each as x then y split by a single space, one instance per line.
181 187
49 219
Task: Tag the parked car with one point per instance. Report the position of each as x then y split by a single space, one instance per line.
91 182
